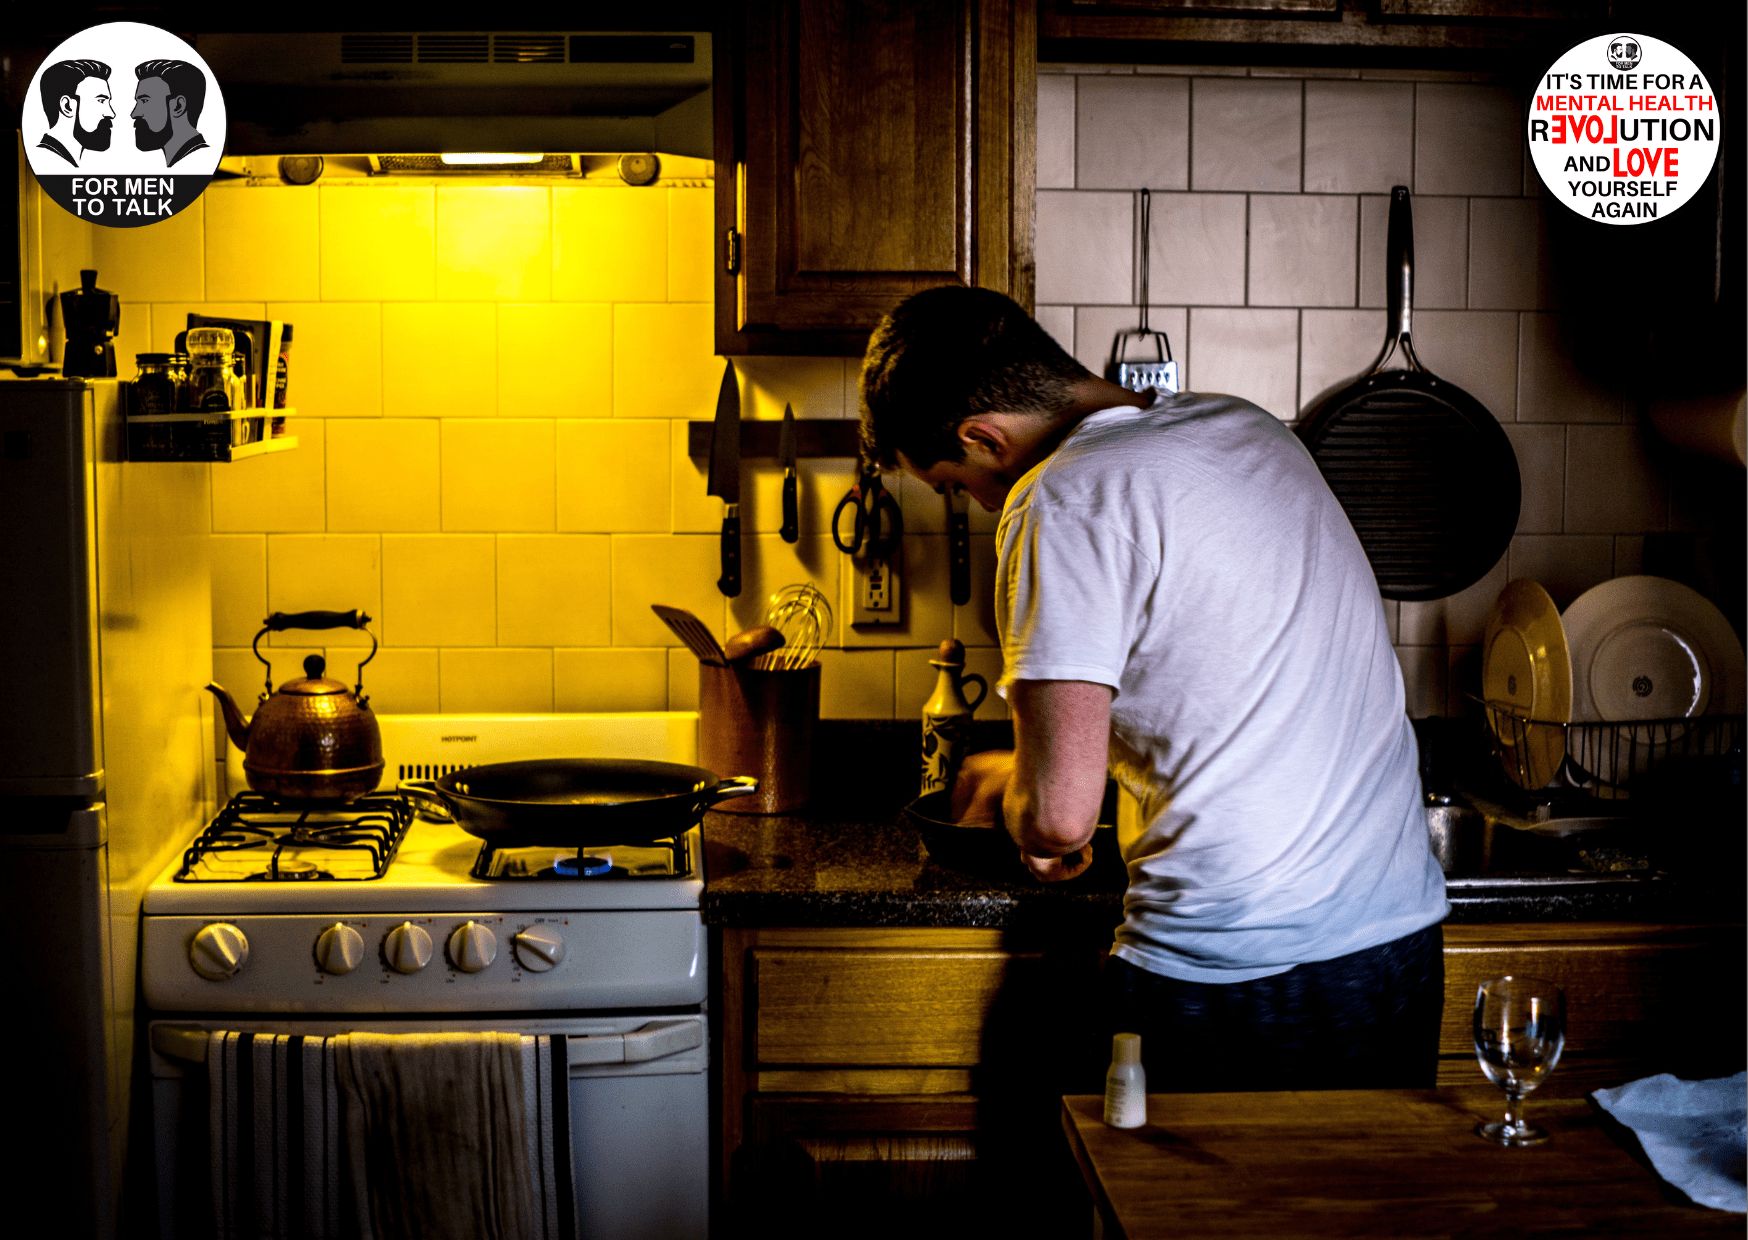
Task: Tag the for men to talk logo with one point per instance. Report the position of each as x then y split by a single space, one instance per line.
1624 52
170 135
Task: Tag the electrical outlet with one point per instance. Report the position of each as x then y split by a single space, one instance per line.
877 590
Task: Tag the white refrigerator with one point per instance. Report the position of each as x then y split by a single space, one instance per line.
105 769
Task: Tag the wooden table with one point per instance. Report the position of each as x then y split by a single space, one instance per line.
1368 1163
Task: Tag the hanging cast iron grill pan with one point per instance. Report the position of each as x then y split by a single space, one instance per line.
1422 469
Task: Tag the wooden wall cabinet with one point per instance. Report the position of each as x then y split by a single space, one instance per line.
864 1071
867 149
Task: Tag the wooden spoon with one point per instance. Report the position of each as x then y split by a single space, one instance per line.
756 640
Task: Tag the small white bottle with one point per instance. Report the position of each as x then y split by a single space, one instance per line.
1126 1083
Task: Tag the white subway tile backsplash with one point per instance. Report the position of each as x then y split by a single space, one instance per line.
439 359
383 475
1460 619
664 360
1085 247
1359 136
1553 386
1541 464
1507 254
335 366
1302 250
1096 327
1335 348
1197 249
239 587
691 245
1132 133
610 680
1245 134
379 242
279 492
1613 486
1629 555
263 243
682 679
813 386
1248 353
554 590
1425 677
543 340
498 474
1474 349
439 590
1468 139
768 564
1566 565
610 244
613 475
856 684
677 572
495 680
494 243
324 572
1441 251
403 682
1056 131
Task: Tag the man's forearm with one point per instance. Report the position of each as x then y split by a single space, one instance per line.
1062 740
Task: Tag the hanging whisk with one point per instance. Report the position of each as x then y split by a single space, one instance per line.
804 616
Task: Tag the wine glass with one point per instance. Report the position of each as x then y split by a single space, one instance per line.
1520 1027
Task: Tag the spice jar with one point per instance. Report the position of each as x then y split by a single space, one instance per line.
162 377
212 379
282 371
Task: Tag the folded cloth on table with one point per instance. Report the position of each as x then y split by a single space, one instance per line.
383 1136
1694 1132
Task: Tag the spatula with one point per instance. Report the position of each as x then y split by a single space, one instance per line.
690 630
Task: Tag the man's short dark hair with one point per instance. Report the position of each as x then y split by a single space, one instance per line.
63 78
180 78
947 354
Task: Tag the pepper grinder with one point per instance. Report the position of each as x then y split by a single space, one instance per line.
947 717
92 317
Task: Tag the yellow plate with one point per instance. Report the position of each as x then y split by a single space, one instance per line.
1526 670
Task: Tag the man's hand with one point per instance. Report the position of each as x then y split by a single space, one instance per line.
982 782
1057 869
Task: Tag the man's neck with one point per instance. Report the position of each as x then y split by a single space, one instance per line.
63 133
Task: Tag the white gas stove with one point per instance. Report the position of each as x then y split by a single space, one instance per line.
373 918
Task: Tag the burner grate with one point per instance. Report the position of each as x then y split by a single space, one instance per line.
278 834
657 859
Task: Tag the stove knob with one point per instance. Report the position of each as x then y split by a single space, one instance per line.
472 947
539 948
218 952
407 949
339 949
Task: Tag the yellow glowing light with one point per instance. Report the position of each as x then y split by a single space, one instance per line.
454 158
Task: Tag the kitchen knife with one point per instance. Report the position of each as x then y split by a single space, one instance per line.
958 546
725 478
791 530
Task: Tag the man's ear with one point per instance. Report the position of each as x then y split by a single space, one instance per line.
984 436
67 107
178 106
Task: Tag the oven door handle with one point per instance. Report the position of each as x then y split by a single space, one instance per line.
656 1040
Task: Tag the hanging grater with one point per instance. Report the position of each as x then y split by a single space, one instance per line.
1161 373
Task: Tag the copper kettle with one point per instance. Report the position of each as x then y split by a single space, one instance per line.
313 740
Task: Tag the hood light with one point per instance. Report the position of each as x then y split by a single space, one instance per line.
467 158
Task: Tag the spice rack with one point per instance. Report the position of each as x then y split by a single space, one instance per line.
213 437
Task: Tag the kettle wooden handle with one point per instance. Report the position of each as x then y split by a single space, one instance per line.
279 621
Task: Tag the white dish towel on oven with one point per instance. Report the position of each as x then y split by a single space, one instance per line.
445 1136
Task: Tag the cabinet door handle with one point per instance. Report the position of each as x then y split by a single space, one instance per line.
731 252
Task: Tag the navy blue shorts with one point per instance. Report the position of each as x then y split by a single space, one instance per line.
1368 1020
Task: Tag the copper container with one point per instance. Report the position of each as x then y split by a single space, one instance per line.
759 723
312 740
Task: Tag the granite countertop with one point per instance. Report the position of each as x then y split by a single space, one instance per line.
849 859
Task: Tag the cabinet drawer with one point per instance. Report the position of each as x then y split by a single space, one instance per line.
844 1007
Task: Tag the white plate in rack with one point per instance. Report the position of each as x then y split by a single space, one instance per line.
1650 648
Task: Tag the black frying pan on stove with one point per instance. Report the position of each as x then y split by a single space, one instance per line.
1424 472
577 802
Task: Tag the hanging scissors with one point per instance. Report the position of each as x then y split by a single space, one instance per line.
878 525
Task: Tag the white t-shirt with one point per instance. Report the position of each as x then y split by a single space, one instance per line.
1191 557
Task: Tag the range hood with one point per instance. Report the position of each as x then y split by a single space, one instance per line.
401 92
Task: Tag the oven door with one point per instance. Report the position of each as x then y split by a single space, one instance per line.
640 1131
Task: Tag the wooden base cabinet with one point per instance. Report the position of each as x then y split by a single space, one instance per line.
906 1082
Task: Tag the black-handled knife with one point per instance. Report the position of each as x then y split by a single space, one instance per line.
725 478
791 530
958 547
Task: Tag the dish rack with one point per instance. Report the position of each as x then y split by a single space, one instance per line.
1606 759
